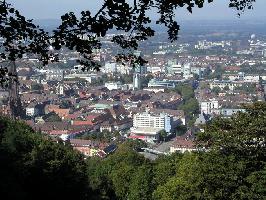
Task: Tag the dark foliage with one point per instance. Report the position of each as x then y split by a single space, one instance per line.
34 167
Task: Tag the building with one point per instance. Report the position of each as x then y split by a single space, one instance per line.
176 69
123 69
137 81
31 110
222 84
252 78
235 77
182 145
102 106
202 119
54 74
187 74
141 69
110 68
147 126
154 69
161 121
147 134
161 83
173 67
198 70
209 107
113 85
92 148
83 75
154 89
229 112
60 89
178 115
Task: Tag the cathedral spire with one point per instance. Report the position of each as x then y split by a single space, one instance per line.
14 99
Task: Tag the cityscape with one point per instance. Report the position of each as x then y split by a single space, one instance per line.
187 122
165 102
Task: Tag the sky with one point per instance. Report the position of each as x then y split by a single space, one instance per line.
53 9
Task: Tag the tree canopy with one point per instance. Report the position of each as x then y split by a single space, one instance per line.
33 166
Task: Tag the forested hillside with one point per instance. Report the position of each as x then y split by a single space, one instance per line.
230 166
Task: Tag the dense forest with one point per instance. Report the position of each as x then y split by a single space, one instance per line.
230 164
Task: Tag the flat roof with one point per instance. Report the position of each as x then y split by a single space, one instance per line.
146 130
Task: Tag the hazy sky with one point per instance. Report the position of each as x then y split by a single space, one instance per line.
53 9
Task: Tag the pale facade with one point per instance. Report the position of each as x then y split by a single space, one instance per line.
209 107
223 84
146 120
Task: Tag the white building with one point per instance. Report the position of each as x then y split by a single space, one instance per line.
155 89
148 120
60 89
187 74
31 110
86 76
173 67
223 84
110 68
183 69
113 85
177 68
136 81
161 83
154 69
229 112
252 78
236 77
209 107
54 74
123 69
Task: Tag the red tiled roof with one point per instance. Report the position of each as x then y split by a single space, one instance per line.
80 122
58 132
232 68
183 143
91 143
136 137
92 117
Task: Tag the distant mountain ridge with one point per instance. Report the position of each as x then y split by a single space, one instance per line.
254 26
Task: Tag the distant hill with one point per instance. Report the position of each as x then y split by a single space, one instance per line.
191 26
48 24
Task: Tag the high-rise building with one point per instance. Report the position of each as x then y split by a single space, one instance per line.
173 67
141 69
187 71
137 81
148 120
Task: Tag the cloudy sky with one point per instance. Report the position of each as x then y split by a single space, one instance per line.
53 9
